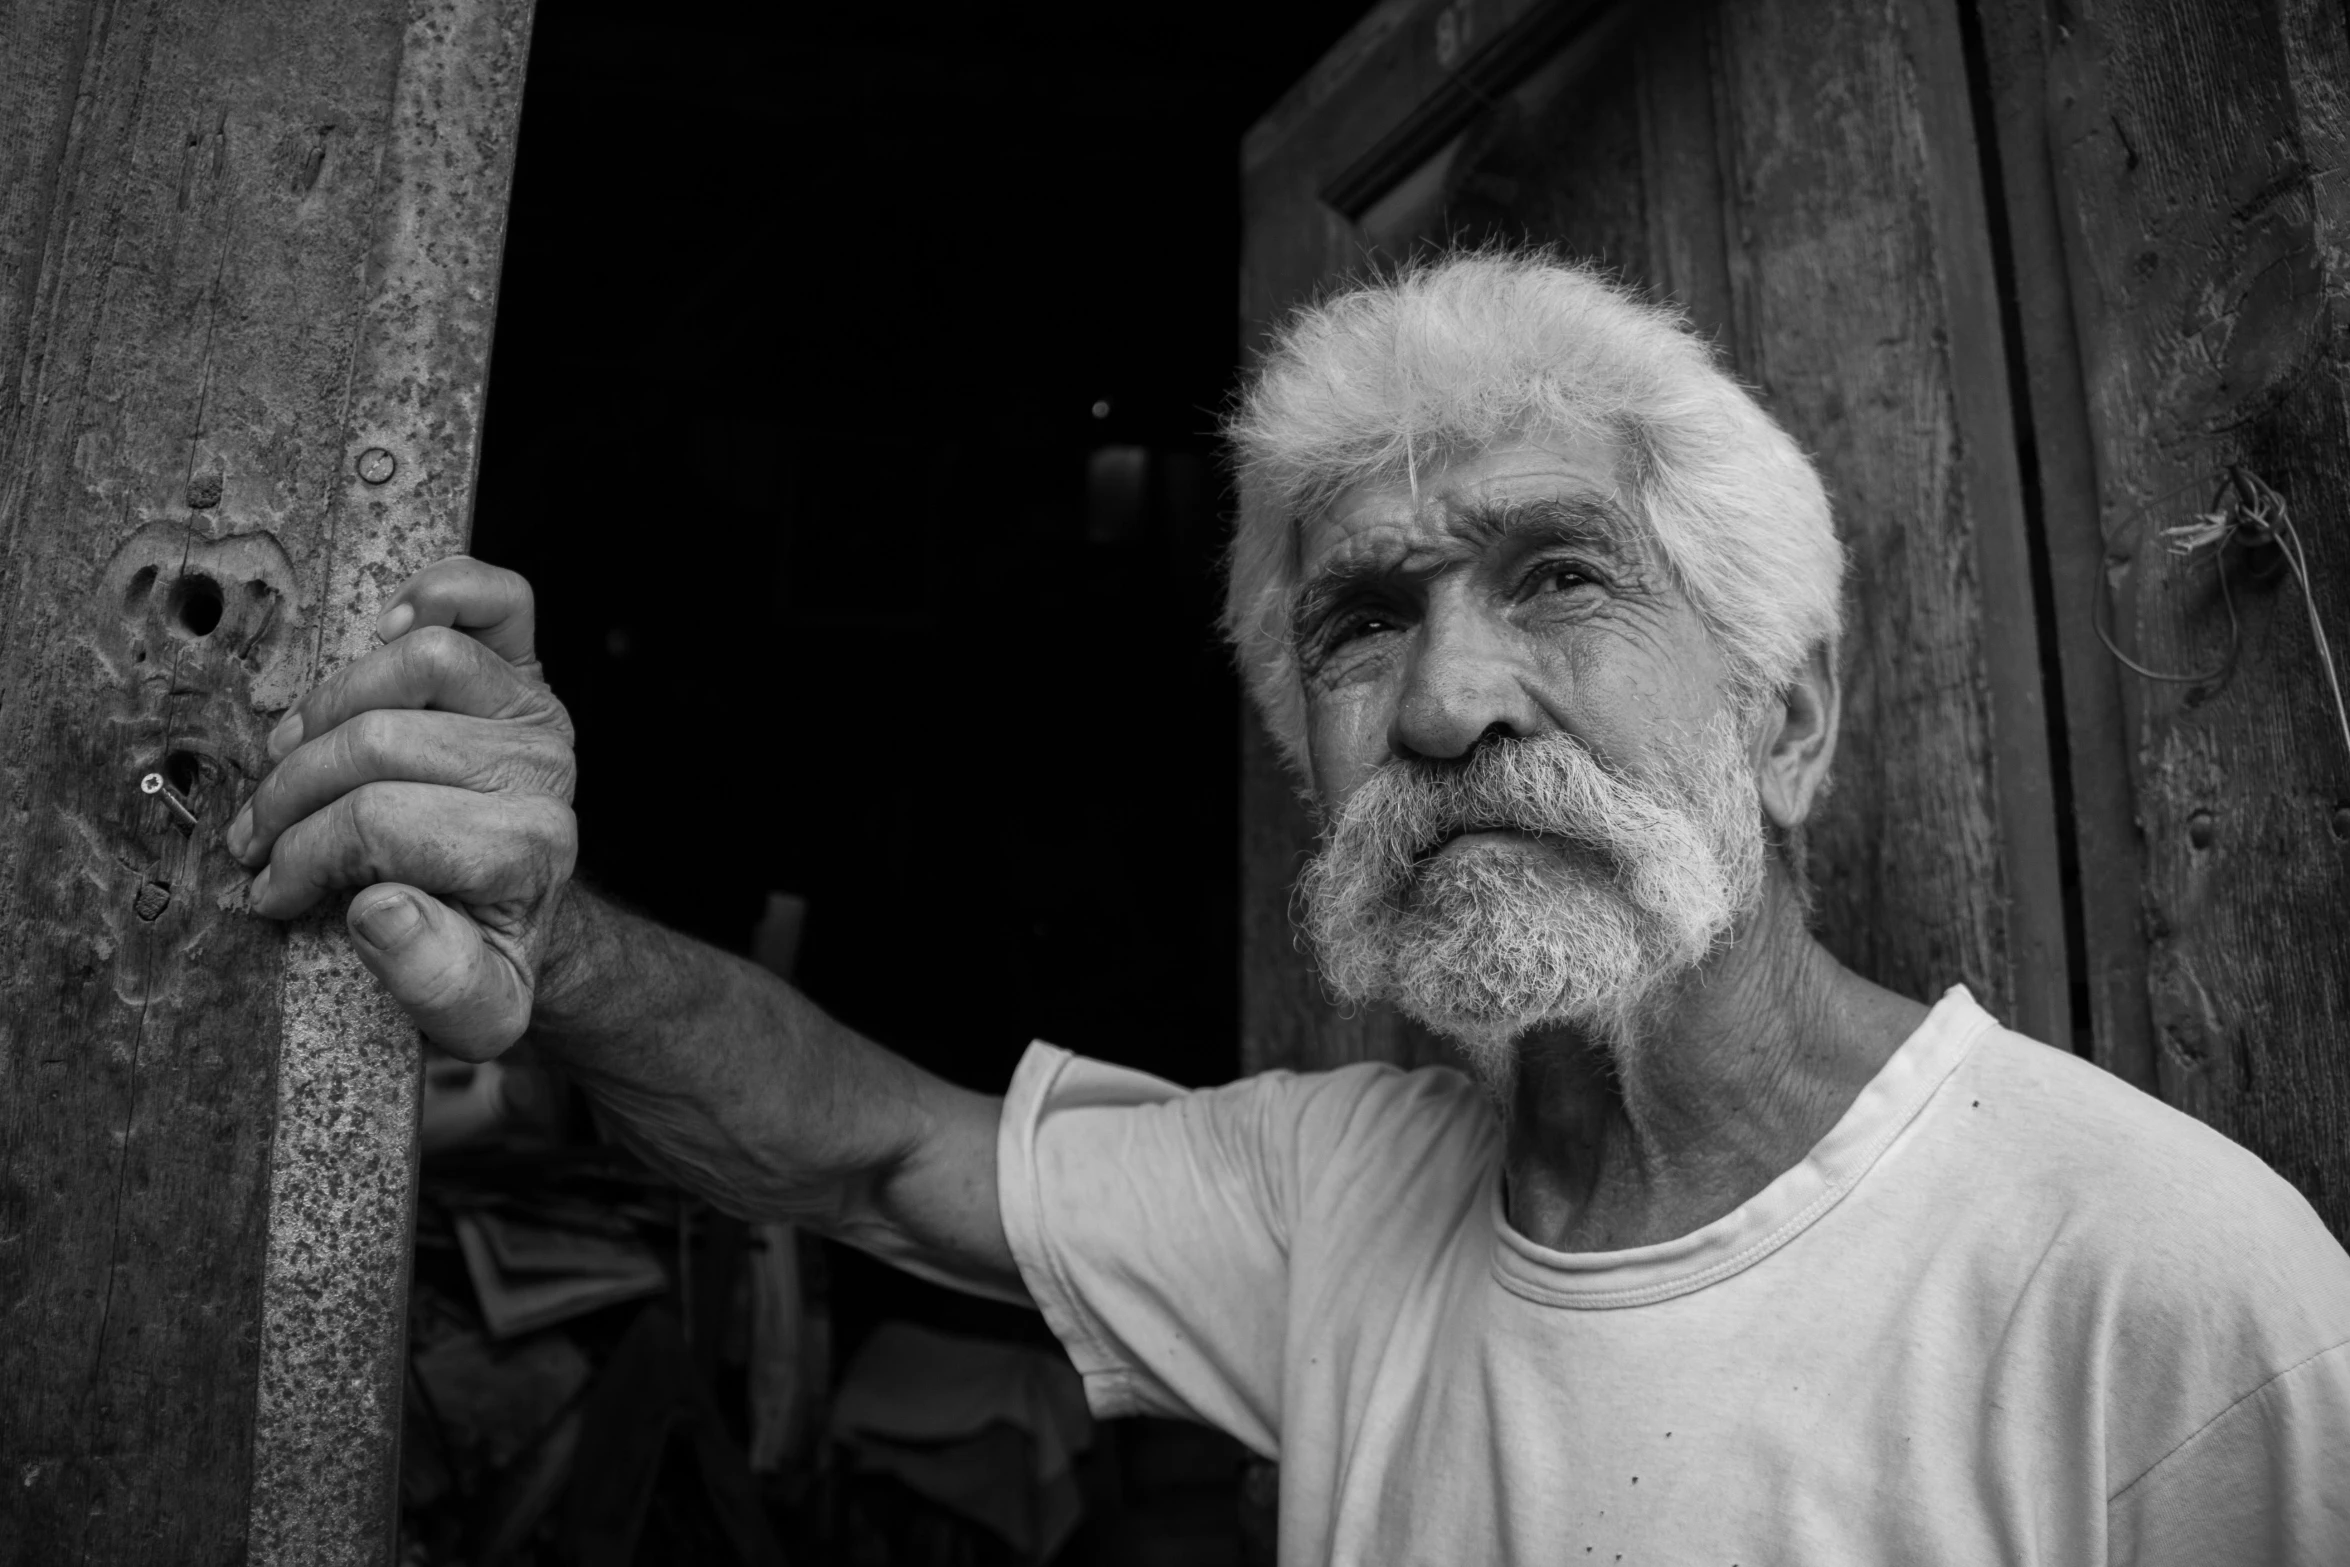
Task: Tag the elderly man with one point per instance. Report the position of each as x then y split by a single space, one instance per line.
1724 1255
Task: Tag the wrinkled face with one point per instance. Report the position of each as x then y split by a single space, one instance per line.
1539 801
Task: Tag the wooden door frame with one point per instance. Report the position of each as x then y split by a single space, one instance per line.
294 211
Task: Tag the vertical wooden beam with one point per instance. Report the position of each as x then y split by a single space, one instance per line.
245 290
2108 854
343 1164
2200 160
1865 312
1682 158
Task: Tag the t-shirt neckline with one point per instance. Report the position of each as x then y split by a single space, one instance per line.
1643 1275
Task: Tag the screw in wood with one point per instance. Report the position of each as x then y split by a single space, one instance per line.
377 466
159 786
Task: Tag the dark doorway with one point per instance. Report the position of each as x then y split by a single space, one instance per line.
852 413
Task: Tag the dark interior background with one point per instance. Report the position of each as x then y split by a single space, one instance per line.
815 327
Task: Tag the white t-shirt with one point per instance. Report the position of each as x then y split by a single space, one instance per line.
2009 1310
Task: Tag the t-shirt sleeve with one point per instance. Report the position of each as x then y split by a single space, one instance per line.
2266 1482
1153 1224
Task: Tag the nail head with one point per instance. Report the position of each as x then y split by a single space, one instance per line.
377 466
2200 829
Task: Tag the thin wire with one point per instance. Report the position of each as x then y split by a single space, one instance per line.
2261 516
2298 559
2216 672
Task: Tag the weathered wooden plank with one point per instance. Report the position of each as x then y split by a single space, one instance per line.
1864 315
2200 164
343 1164
1682 157
42 51
228 299
2107 854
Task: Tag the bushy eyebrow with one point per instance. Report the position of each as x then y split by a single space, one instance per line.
1590 524
1545 521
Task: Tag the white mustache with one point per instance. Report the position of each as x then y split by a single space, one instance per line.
1485 945
1547 786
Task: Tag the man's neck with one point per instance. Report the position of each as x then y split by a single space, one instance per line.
1721 1087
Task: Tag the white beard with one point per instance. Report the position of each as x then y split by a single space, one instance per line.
1492 939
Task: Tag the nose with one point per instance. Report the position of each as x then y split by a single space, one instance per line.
1465 683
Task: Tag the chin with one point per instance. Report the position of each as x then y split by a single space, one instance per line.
1491 1041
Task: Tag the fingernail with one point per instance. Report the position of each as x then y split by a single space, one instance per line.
258 893
240 833
286 736
395 620
385 921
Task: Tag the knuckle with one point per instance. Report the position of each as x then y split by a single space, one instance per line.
365 829
515 585
321 699
438 652
268 803
549 825
544 763
363 741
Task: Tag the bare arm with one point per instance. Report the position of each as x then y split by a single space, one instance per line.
738 1087
434 776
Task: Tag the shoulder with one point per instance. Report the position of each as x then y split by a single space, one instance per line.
1358 1128
2122 1164
2188 1273
1300 1131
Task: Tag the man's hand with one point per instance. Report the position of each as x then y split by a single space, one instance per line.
435 775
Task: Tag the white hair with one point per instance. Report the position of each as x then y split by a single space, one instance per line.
1455 354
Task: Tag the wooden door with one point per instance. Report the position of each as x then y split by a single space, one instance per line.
1801 176
248 260
2178 200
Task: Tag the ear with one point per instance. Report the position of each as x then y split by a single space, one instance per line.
1798 741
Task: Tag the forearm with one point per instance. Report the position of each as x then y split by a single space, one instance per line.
720 1074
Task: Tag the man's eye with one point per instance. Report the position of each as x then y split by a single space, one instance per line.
1364 623
1562 579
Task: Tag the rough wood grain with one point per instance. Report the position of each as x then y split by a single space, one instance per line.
227 307
1803 178
2200 161
42 51
1851 224
2107 852
343 1165
1681 156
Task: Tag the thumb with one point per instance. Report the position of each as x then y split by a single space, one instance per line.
463 993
